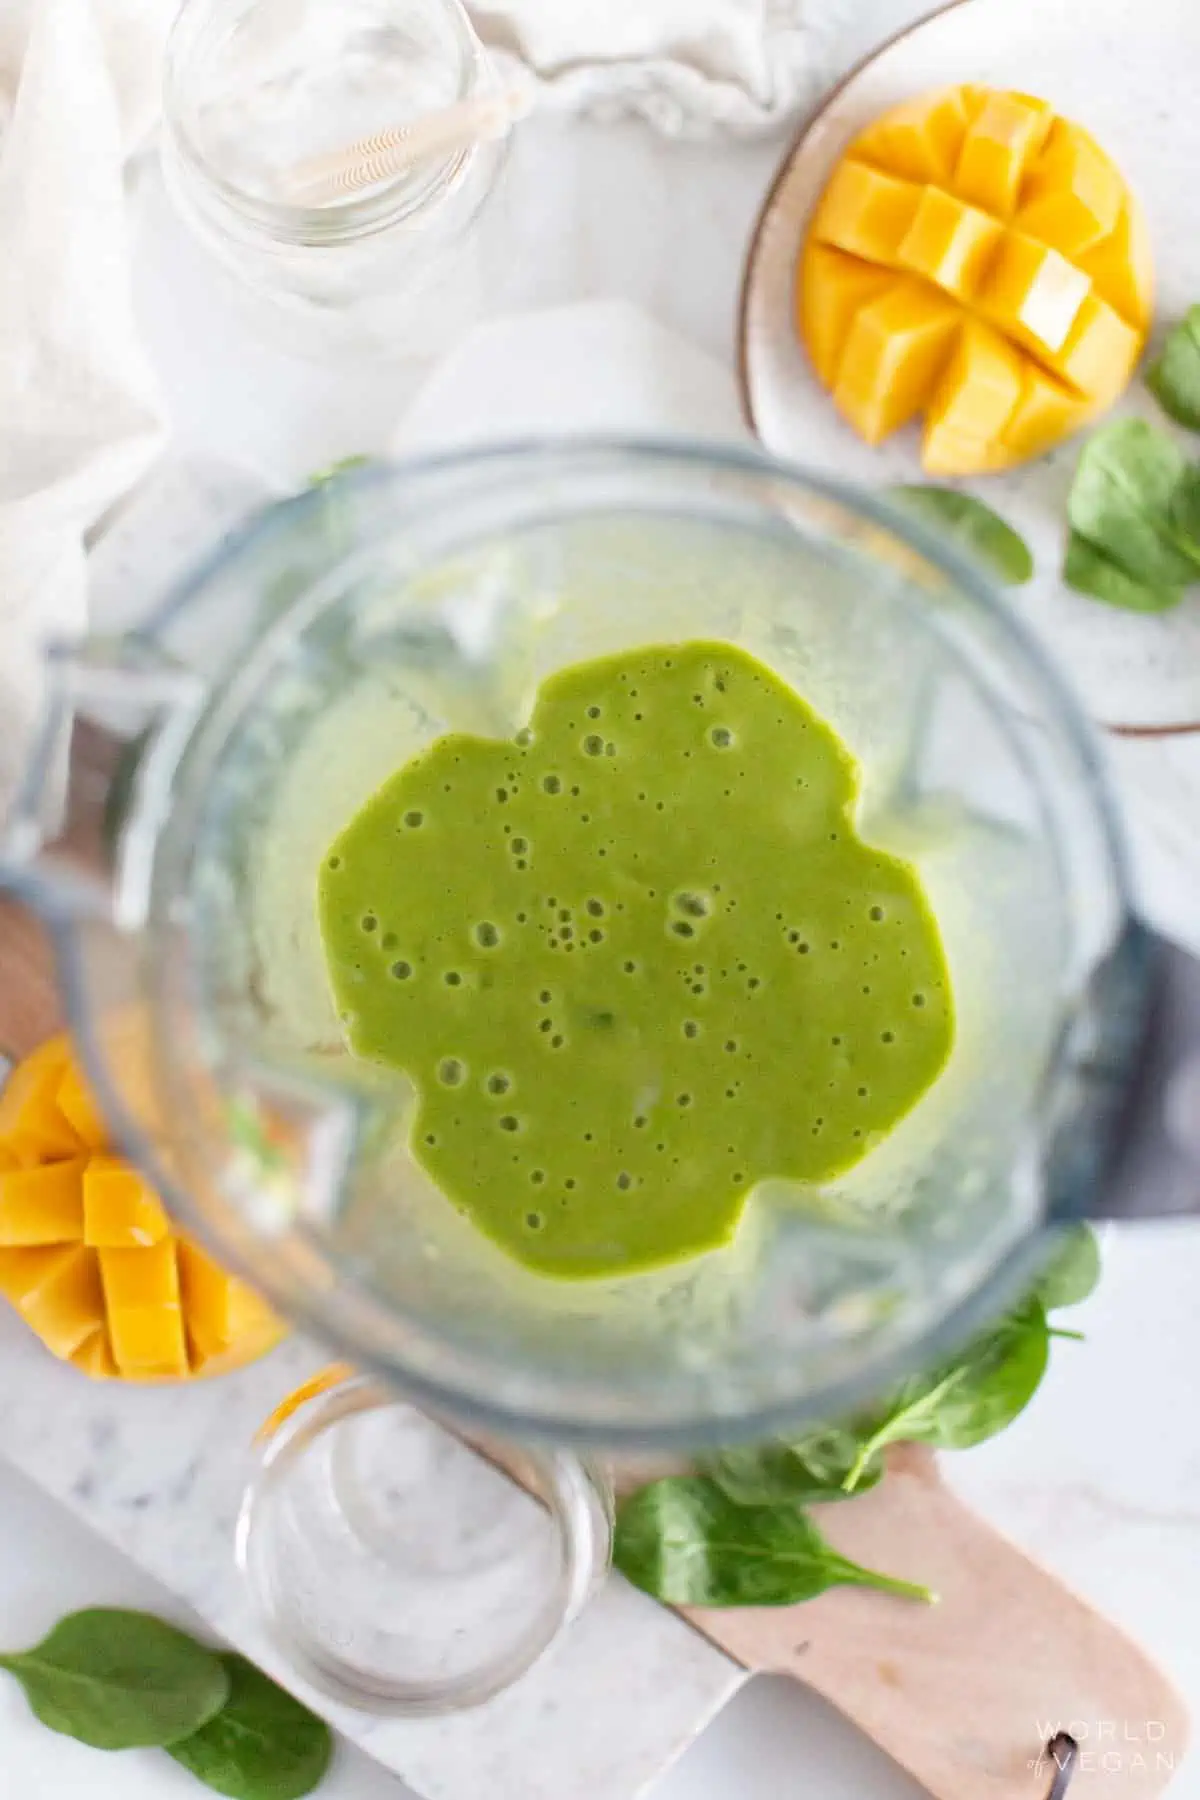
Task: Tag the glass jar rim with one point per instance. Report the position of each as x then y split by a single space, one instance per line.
567 1486
405 197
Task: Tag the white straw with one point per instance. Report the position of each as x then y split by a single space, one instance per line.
388 153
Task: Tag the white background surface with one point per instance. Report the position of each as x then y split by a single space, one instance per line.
588 212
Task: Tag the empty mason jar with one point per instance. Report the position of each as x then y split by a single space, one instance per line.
403 1570
254 89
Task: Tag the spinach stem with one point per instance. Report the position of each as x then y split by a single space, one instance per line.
857 1468
892 1584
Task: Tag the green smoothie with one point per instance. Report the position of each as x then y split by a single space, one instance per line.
635 960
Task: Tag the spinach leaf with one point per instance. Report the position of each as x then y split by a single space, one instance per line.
1120 501
1185 510
685 1541
262 1745
120 1680
812 1469
960 1403
1089 571
1174 379
1073 1269
971 526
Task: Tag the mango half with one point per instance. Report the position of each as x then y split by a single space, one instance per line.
88 1255
979 261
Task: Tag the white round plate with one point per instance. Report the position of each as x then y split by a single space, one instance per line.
1127 70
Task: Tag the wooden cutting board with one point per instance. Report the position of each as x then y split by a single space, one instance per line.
964 1694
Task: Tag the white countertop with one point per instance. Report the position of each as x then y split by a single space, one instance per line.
1100 1478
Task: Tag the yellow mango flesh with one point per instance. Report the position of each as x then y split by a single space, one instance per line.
832 289
1046 412
32 1129
985 203
87 1253
1000 143
145 1313
121 1211
1033 293
56 1291
1122 267
982 383
895 348
949 243
77 1104
866 213
42 1205
948 452
95 1358
222 1312
1100 352
921 139
1072 194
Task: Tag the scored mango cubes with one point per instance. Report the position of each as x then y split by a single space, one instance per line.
894 349
866 213
949 242
1000 142
979 261
88 1255
145 1311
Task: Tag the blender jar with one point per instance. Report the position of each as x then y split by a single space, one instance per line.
349 627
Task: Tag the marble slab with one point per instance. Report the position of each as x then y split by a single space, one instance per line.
159 1473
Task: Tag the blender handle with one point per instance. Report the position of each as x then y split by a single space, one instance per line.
1153 1170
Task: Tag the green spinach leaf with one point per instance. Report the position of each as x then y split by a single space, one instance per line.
1185 510
120 1680
685 1541
1174 379
1089 571
960 1403
1073 1268
810 1470
262 1745
971 526
1121 499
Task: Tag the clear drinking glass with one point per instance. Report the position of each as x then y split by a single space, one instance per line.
347 628
405 1571
254 88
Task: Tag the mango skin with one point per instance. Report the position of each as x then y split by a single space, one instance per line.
988 203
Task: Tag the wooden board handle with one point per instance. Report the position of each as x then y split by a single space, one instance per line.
964 1694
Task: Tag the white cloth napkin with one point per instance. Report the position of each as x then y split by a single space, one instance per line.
690 66
78 416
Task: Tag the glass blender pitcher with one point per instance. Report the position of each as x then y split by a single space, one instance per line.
345 629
